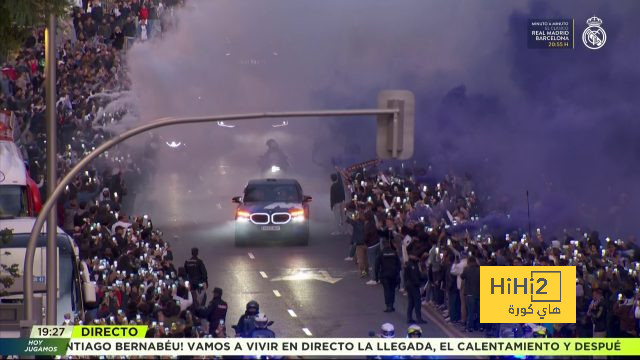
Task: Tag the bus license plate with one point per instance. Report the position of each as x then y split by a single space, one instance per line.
271 228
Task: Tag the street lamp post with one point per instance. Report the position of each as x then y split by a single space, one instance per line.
68 178
52 151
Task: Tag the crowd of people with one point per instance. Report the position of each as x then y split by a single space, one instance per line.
428 236
122 22
90 62
127 259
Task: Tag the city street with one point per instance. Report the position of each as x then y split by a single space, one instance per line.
481 153
299 288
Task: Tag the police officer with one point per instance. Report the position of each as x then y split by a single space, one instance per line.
414 331
387 331
274 156
197 275
215 312
412 282
261 329
246 323
388 273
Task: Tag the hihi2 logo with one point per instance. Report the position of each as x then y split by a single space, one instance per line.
519 294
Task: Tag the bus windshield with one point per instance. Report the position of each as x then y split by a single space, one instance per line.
14 251
13 201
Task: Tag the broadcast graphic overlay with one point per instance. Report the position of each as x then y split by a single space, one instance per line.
551 34
527 294
594 37
62 340
82 341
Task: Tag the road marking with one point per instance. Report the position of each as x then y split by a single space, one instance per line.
276 293
263 274
306 331
305 274
292 313
251 256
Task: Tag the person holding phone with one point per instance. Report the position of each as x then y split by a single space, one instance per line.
337 200
358 238
387 271
221 330
215 312
598 313
197 275
624 310
413 280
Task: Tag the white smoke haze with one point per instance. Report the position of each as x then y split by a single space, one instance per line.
221 57
521 118
117 101
246 56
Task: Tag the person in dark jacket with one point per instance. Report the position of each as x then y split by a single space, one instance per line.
117 38
116 185
97 13
412 282
337 199
197 275
129 28
119 237
196 271
124 264
598 313
246 323
274 156
84 246
387 272
372 242
624 309
215 312
613 322
471 277
357 238
388 231
90 29
104 30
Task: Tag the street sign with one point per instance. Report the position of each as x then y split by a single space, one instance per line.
395 133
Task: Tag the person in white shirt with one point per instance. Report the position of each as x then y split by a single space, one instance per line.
406 241
456 269
184 303
121 222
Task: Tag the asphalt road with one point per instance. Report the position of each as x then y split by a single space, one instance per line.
306 291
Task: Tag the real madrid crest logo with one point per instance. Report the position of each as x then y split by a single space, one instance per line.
594 36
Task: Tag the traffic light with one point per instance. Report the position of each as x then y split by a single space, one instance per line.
396 132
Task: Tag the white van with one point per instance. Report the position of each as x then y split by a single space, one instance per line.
75 291
19 194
